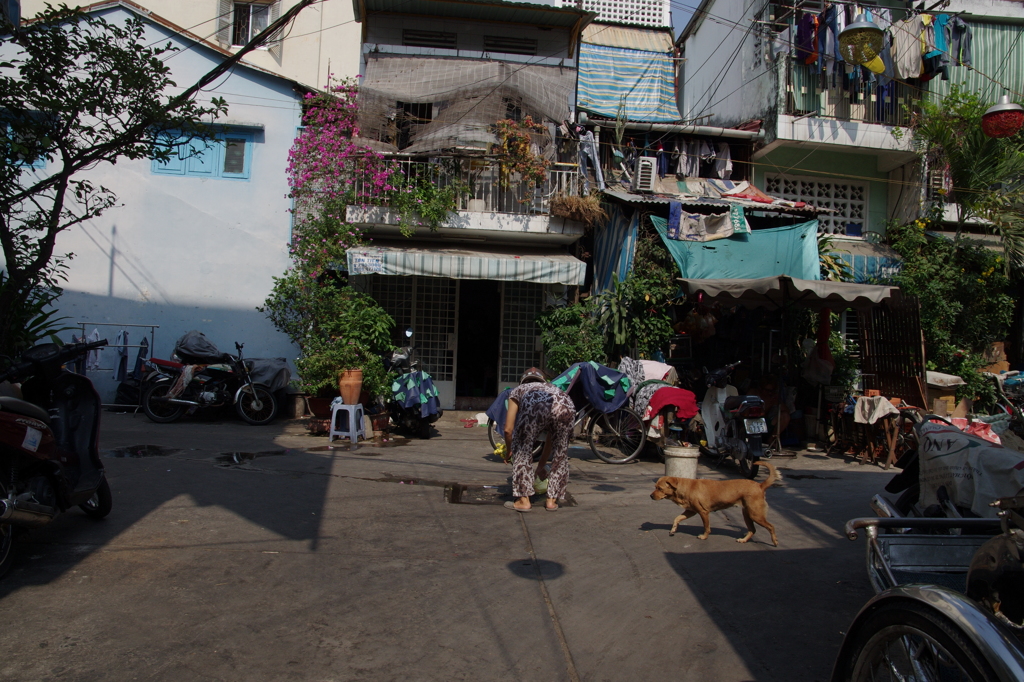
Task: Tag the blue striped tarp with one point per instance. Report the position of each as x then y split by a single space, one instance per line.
614 246
645 79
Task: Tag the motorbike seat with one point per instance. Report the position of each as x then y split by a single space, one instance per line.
734 401
171 364
23 407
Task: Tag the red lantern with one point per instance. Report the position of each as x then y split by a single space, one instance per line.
1003 119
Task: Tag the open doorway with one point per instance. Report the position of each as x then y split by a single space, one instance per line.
476 377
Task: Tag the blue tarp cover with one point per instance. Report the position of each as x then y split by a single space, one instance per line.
790 250
416 388
645 79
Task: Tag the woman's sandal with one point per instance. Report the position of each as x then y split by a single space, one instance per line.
513 507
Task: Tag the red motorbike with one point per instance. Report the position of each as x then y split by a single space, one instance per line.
49 443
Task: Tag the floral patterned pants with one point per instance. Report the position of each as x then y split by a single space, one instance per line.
542 412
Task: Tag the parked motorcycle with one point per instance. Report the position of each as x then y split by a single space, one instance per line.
205 377
49 443
733 424
414 402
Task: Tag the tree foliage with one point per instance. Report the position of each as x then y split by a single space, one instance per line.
985 171
76 92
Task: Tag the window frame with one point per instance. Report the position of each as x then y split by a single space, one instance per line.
266 6
210 162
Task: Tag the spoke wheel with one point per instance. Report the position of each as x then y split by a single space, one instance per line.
911 643
496 435
617 438
256 405
156 407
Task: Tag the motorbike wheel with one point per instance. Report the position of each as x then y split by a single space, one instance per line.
257 407
907 641
6 541
100 503
748 460
423 430
617 438
156 407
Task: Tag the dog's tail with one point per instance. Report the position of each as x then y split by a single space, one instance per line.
772 477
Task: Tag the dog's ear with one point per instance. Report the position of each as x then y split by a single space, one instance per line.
667 484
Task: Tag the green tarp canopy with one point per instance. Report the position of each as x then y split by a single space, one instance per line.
790 250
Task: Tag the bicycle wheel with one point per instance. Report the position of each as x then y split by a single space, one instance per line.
911 642
496 435
618 437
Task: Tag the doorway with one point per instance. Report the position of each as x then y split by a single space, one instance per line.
479 343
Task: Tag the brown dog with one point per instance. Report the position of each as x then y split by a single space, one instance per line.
703 496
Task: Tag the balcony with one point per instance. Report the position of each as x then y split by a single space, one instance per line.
485 194
810 93
485 210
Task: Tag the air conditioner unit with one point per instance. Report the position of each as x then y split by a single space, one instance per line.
643 179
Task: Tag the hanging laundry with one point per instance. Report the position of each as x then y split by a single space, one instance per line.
78 365
675 213
92 360
588 151
140 359
807 39
723 161
928 46
960 41
907 44
662 159
782 44
121 360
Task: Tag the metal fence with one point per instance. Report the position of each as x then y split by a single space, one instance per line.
482 179
811 92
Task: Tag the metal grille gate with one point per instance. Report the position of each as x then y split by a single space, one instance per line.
521 301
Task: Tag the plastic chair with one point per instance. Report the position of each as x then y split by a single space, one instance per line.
352 428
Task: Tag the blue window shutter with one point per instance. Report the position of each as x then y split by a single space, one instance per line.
203 159
237 155
175 165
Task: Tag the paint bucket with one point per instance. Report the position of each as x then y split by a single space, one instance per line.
681 462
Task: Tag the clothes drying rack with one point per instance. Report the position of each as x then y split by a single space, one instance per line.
152 345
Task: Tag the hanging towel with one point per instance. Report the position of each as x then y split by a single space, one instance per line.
907 44
92 361
121 348
140 359
723 161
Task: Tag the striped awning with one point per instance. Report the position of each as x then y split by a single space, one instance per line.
510 265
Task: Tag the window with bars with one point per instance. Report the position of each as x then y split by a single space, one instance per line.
249 19
522 302
227 156
427 304
849 200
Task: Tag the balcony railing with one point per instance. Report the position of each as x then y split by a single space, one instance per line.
481 177
809 92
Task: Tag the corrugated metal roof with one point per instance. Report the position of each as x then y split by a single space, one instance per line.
526 13
629 197
647 39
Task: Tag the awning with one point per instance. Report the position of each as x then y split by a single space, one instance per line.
510 264
814 294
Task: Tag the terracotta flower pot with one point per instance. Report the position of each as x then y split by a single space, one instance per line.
350 383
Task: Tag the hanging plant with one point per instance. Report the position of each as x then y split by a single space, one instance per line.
518 165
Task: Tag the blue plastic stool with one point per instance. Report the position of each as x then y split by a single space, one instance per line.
352 428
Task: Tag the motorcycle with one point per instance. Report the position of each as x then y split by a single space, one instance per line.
408 410
49 443
733 424
176 388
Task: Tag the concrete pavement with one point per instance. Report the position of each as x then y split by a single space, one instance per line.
256 553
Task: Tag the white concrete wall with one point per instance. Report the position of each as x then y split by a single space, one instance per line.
323 38
732 90
191 253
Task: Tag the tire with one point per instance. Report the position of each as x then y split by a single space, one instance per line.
257 406
156 409
617 438
495 436
748 464
100 503
901 636
6 541
423 430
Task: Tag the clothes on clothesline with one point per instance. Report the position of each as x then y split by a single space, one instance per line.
92 360
121 351
140 359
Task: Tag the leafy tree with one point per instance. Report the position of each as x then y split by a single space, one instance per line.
77 92
985 171
570 334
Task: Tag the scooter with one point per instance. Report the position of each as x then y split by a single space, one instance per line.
49 444
409 411
733 424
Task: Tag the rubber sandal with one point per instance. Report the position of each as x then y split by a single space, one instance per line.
513 507
547 508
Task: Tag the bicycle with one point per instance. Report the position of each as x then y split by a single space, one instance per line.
617 437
